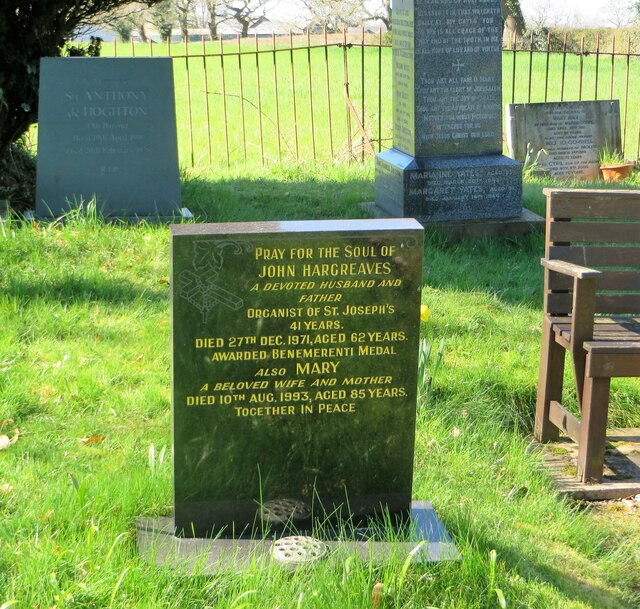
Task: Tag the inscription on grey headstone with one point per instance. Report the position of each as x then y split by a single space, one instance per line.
447 163
107 127
570 133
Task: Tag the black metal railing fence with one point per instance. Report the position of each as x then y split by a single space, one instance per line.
327 97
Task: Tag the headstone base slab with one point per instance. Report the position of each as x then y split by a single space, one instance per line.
158 545
447 189
506 227
179 214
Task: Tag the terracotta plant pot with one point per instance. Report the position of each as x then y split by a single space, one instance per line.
616 173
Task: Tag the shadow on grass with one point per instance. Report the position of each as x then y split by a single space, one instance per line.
530 567
508 268
70 290
286 196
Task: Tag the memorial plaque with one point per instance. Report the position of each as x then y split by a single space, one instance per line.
446 163
571 134
107 128
294 373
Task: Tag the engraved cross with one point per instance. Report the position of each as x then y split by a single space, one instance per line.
457 65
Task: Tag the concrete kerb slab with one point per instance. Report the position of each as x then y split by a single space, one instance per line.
158 544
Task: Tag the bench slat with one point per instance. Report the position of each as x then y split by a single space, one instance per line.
617 363
613 346
596 255
593 204
621 336
607 232
605 303
609 280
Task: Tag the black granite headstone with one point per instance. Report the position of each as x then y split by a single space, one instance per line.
294 373
446 163
107 128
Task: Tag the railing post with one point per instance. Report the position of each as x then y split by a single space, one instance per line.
293 95
328 86
380 90
513 72
241 83
275 94
626 94
530 65
546 71
595 93
224 104
581 67
564 65
189 112
259 100
346 89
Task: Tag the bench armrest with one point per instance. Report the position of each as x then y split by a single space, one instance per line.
584 299
569 268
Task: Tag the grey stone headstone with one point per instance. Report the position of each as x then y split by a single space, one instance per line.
446 162
107 128
570 133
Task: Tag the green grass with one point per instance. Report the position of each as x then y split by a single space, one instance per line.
233 120
84 352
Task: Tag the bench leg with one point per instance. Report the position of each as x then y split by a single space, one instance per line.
593 429
549 383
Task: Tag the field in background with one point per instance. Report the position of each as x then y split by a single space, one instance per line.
259 102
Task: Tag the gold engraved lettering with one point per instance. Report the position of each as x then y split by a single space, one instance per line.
376 350
367 380
384 309
263 253
324 382
387 392
328 252
321 297
241 386
209 343
253 313
336 408
235 356
330 394
261 398
316 367
322 325
289 383
336 269
301 253
200 400
277 270
260 411
287 286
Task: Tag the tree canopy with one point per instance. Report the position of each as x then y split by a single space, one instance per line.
28 31
513 17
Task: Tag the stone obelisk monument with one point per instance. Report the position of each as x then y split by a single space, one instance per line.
446 163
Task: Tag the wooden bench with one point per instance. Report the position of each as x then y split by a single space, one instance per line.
591 311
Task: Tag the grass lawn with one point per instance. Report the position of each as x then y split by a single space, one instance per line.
289 105
85 396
